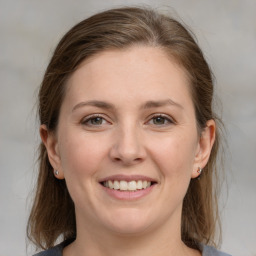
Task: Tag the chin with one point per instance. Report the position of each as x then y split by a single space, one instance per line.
127 230
130 222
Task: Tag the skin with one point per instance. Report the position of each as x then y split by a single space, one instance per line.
128 139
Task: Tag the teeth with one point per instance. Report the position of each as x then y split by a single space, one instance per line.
132 185
127 186
110 184
123 185
139 184
116 185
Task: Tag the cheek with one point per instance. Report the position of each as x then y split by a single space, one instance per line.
81 158
175 155
80 155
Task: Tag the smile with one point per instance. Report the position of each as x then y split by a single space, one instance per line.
123 185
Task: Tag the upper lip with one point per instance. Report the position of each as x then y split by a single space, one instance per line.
120 177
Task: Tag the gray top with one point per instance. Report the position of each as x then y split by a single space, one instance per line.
57 250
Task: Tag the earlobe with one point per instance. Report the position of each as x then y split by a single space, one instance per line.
206 141
50 142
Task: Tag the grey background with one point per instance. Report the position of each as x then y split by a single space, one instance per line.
29 31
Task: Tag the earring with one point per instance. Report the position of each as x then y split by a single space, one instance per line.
199 171
56 172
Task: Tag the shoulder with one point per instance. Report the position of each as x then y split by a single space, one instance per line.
210 251
57 251
54 251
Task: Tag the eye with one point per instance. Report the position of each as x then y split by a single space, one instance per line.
94 120
160 120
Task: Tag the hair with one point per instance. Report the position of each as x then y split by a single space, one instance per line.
53 213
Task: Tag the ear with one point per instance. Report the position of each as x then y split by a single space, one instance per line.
204 149
50 142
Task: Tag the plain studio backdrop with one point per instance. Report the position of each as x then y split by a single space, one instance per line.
29 31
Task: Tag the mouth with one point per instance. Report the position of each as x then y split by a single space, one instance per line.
123 185
127 183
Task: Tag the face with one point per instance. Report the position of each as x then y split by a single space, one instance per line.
126 142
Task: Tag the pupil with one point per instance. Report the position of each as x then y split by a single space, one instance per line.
159 120
97 120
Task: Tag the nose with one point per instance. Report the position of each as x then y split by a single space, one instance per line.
128 147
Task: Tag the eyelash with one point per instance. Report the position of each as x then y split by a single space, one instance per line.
165 117
86 120
93 117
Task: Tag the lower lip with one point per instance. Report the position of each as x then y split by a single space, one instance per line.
128 195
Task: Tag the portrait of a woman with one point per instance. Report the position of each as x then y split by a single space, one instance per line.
130 141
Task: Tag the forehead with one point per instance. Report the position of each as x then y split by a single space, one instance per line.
138 72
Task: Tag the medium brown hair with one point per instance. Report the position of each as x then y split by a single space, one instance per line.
53 213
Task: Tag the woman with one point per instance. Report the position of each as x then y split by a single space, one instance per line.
127 129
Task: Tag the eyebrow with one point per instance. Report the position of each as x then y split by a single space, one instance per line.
147 105
161 103
94 103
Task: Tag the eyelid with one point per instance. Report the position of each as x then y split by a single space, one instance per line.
92 116
167 117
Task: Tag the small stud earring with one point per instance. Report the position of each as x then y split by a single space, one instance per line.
199 171
56 172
